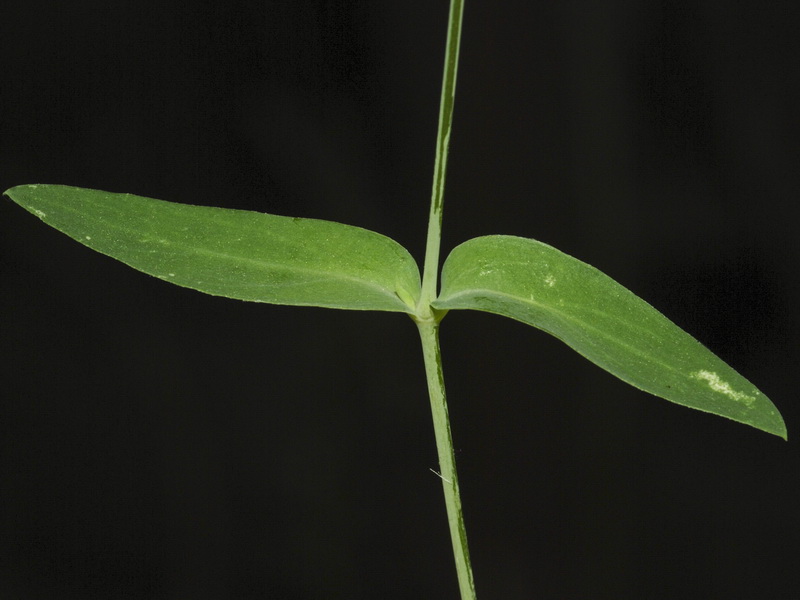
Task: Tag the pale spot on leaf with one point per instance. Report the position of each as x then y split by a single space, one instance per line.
718 385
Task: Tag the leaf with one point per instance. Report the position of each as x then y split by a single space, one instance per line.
234 253
534 283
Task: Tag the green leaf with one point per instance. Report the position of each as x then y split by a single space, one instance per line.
234 253
534 283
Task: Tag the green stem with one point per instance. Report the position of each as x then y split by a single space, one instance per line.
428 319
429 334
431 266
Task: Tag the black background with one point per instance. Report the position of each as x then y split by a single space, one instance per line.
160 443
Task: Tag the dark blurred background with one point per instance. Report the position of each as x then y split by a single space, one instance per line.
159 443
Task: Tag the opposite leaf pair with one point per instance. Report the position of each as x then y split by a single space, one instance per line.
282 260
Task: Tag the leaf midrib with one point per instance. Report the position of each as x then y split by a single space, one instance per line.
579 323
233 258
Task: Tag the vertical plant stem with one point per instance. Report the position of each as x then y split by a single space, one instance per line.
431 267
429 334
428 319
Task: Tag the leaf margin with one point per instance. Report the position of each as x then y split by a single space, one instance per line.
718 378
394 289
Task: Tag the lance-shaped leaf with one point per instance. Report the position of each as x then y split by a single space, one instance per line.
234 253
608 324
